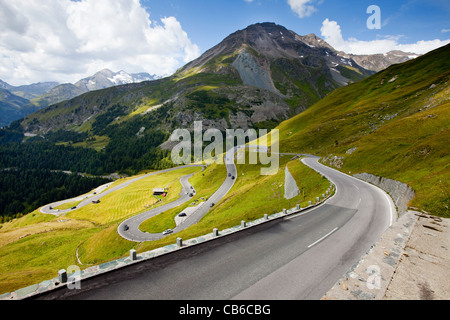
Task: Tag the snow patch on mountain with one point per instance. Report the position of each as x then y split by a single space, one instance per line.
123 77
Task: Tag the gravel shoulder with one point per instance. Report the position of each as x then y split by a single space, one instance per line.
423 272
409 262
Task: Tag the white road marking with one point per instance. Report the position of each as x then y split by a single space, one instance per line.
325 236
391 216
392 207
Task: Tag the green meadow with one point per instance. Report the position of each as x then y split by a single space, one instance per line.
33 248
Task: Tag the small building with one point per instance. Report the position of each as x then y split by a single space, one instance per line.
159 191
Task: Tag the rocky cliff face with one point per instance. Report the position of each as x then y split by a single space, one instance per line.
252 72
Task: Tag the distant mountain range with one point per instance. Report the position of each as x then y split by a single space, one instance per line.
20 101
29 91
258 76
373 62
101 80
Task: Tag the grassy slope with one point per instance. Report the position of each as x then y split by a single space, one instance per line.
251 197
133 199
34 247
397 119
205 184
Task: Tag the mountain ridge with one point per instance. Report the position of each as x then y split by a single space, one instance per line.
263 54
264 74
42 94
102 79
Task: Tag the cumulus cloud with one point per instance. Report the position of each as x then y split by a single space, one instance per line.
331 31
303 8
64 40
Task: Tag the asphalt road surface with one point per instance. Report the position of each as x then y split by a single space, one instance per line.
298 257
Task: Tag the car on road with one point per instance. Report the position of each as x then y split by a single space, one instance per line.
229 174
73 208
182 214
126 228
212 204
168 231
191 195
233 177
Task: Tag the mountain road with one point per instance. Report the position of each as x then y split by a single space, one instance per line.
297 257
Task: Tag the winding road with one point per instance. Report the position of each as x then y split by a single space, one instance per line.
129 229
296 257
100 192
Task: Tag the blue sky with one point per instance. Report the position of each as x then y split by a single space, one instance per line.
208 22
67 40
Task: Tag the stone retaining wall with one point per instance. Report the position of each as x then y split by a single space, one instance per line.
401 193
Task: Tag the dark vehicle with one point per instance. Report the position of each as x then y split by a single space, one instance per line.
229 174
182 214
232 178
126 228
191 195
73 208
212 205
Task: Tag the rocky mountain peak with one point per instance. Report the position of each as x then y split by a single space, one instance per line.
315 42
105 72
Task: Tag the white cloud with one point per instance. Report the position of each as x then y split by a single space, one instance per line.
63 40
303 8
331 31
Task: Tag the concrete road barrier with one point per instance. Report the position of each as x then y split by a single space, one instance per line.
133 255
62 276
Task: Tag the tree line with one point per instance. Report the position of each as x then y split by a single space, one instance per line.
25 190
25 165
